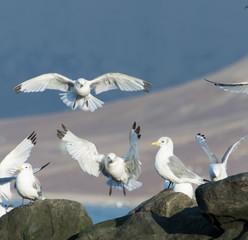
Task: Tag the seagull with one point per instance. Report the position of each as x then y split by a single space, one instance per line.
77 93
170 167
10 164
217 170
27 185
232 87
122 172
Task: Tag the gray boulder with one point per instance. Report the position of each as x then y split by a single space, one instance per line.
48 219
168 215
225 203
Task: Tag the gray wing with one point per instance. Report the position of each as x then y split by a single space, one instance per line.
232 148
232 87
132 157
200 138
37 185
110 81
53 81
35 170
179 169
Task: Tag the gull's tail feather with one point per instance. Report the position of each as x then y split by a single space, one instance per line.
92 103
132 184
89 103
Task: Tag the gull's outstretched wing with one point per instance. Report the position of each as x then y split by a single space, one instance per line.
35 170
132 156
232 148
110 81
13 161
200 138
83 151
53 81
232 87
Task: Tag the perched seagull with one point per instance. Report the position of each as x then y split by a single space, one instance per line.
217 170
77 93
27 185
12 162
122 172
232 87
170 167
185 188
10 179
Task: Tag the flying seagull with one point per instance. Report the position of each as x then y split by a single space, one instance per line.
170 167
12 162
217 170
122 172
77 93
27 185
232 87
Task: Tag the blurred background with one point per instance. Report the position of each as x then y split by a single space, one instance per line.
172 44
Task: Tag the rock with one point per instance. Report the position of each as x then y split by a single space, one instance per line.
168 215
48 219
225 203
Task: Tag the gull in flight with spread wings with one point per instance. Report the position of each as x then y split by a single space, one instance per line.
170 167
232 87
217 170
12 162
27 185
121 172
77 93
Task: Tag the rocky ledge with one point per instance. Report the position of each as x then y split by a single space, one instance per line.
219 212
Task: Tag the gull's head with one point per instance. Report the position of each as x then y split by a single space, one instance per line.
164 142
111 157
25 167
80 83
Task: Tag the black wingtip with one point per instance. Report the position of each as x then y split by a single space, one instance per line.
64 127
60 134
134 126
201 135
32 137
210 81
18 89
137 130
45 165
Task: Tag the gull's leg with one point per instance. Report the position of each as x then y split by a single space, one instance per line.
22 201
168 188
110 188
124 190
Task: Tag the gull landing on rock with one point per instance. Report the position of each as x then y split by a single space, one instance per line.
121 172
77 93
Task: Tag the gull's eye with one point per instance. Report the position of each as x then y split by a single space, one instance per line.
163 141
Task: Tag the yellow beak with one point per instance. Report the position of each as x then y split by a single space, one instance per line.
20 169
216 178
155 143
